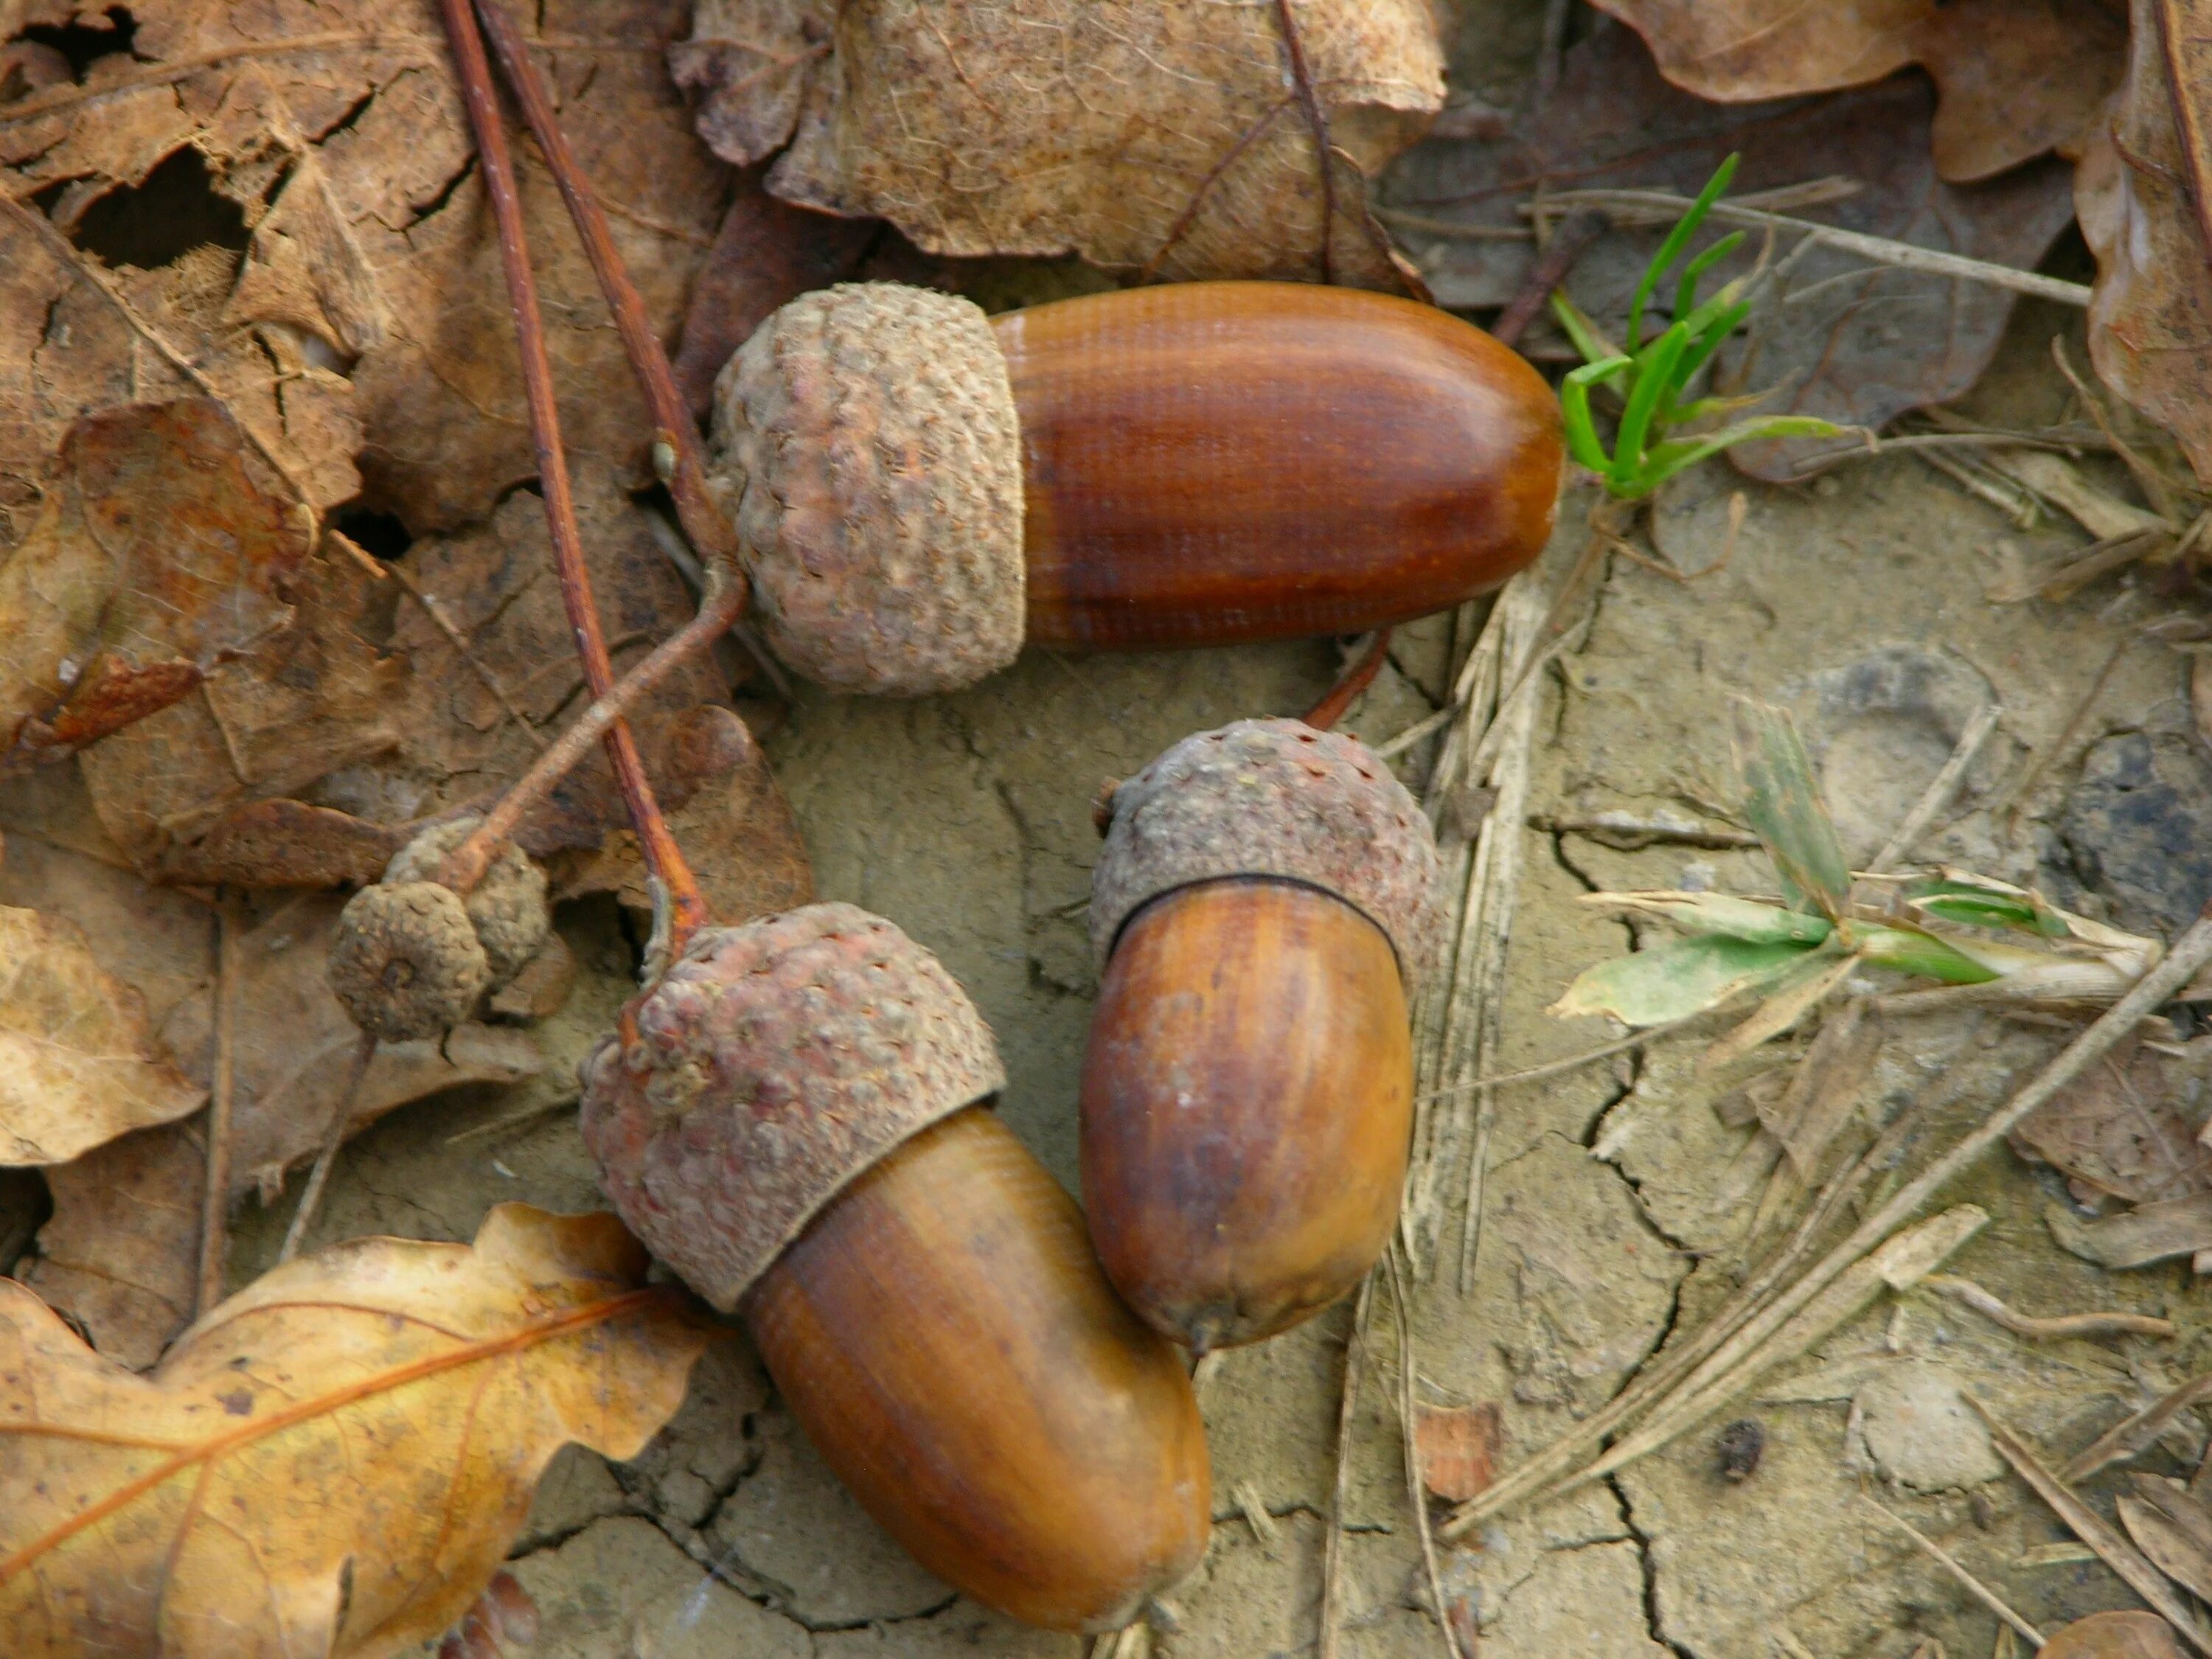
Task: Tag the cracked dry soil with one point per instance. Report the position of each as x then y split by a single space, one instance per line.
1619 1200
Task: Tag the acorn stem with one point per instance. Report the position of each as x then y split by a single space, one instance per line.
1324 714
663 858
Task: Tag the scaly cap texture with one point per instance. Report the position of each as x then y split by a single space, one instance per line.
867 435
405 961
1271 798
506 907
773 1063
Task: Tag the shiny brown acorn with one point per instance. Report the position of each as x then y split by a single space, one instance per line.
1265 895
794 1119
920 488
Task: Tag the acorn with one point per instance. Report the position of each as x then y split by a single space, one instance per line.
1263 904
797 1121
921 490
411 958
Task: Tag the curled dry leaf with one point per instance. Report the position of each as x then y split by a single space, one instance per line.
2122 1129
1853 343
2013 78
2113 1635
338 275
334 1460
2137 192
2174 1529
1140 134
164 546
79 1065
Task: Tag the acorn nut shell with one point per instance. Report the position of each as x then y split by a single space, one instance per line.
506 907
867 436
772 1064
405 961
1271 798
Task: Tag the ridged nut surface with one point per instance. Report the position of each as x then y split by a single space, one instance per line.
868 436
772 1064
506 907
1271 798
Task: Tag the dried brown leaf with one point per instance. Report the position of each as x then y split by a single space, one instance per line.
2113 1635
366 300
79 1065
163 548
2136 1238
2174 1529
2124 1128
1860 344
294 1045
1825 1086
2013 78
333 1461
1458 1447
2137 192
1141 134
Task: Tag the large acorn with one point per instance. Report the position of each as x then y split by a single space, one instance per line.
797 1121
921 490
1264 900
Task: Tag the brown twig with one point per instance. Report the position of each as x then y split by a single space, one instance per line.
2044 1329
215 1205
364 1051
1316 118
1570 239
1355 679
664 860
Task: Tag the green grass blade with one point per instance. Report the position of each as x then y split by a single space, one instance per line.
1912 952
1671 249
1581 332
1685 291
1782 803
1575 414
1666 459
1680 978
1655 371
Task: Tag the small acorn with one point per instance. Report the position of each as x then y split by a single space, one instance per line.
411 958
797 1121
1264 901
920 488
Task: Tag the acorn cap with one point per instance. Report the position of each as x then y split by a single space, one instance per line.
506 907
1271 798
867 435
772 1064
405 961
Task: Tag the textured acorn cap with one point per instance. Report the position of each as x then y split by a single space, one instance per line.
867 435
1271 798
773 1063
506 907
405 961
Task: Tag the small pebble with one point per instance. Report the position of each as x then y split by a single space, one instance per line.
1739 1445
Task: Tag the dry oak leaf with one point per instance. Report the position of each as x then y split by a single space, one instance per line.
285 197
1851 342
1147 135
334 1460
163 547
2122 1128
2013 78
2113 1635
79 1065
2139 193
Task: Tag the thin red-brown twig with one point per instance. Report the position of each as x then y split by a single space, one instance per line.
1354 680
1570 239
664 860
1301 78
215 1207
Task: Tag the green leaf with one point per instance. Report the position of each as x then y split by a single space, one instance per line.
1800 991
1685 291
1680 978
1986 907
1575 414
1783 804
1755 920
1912 952
1655 373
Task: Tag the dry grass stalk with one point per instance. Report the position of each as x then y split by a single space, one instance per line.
1981 1592
1409 1418
2132 1434
215 1201
1331 1565
1941 787
2096 1532
2046 1330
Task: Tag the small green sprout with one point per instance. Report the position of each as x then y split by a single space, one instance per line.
1788 953
1652 380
